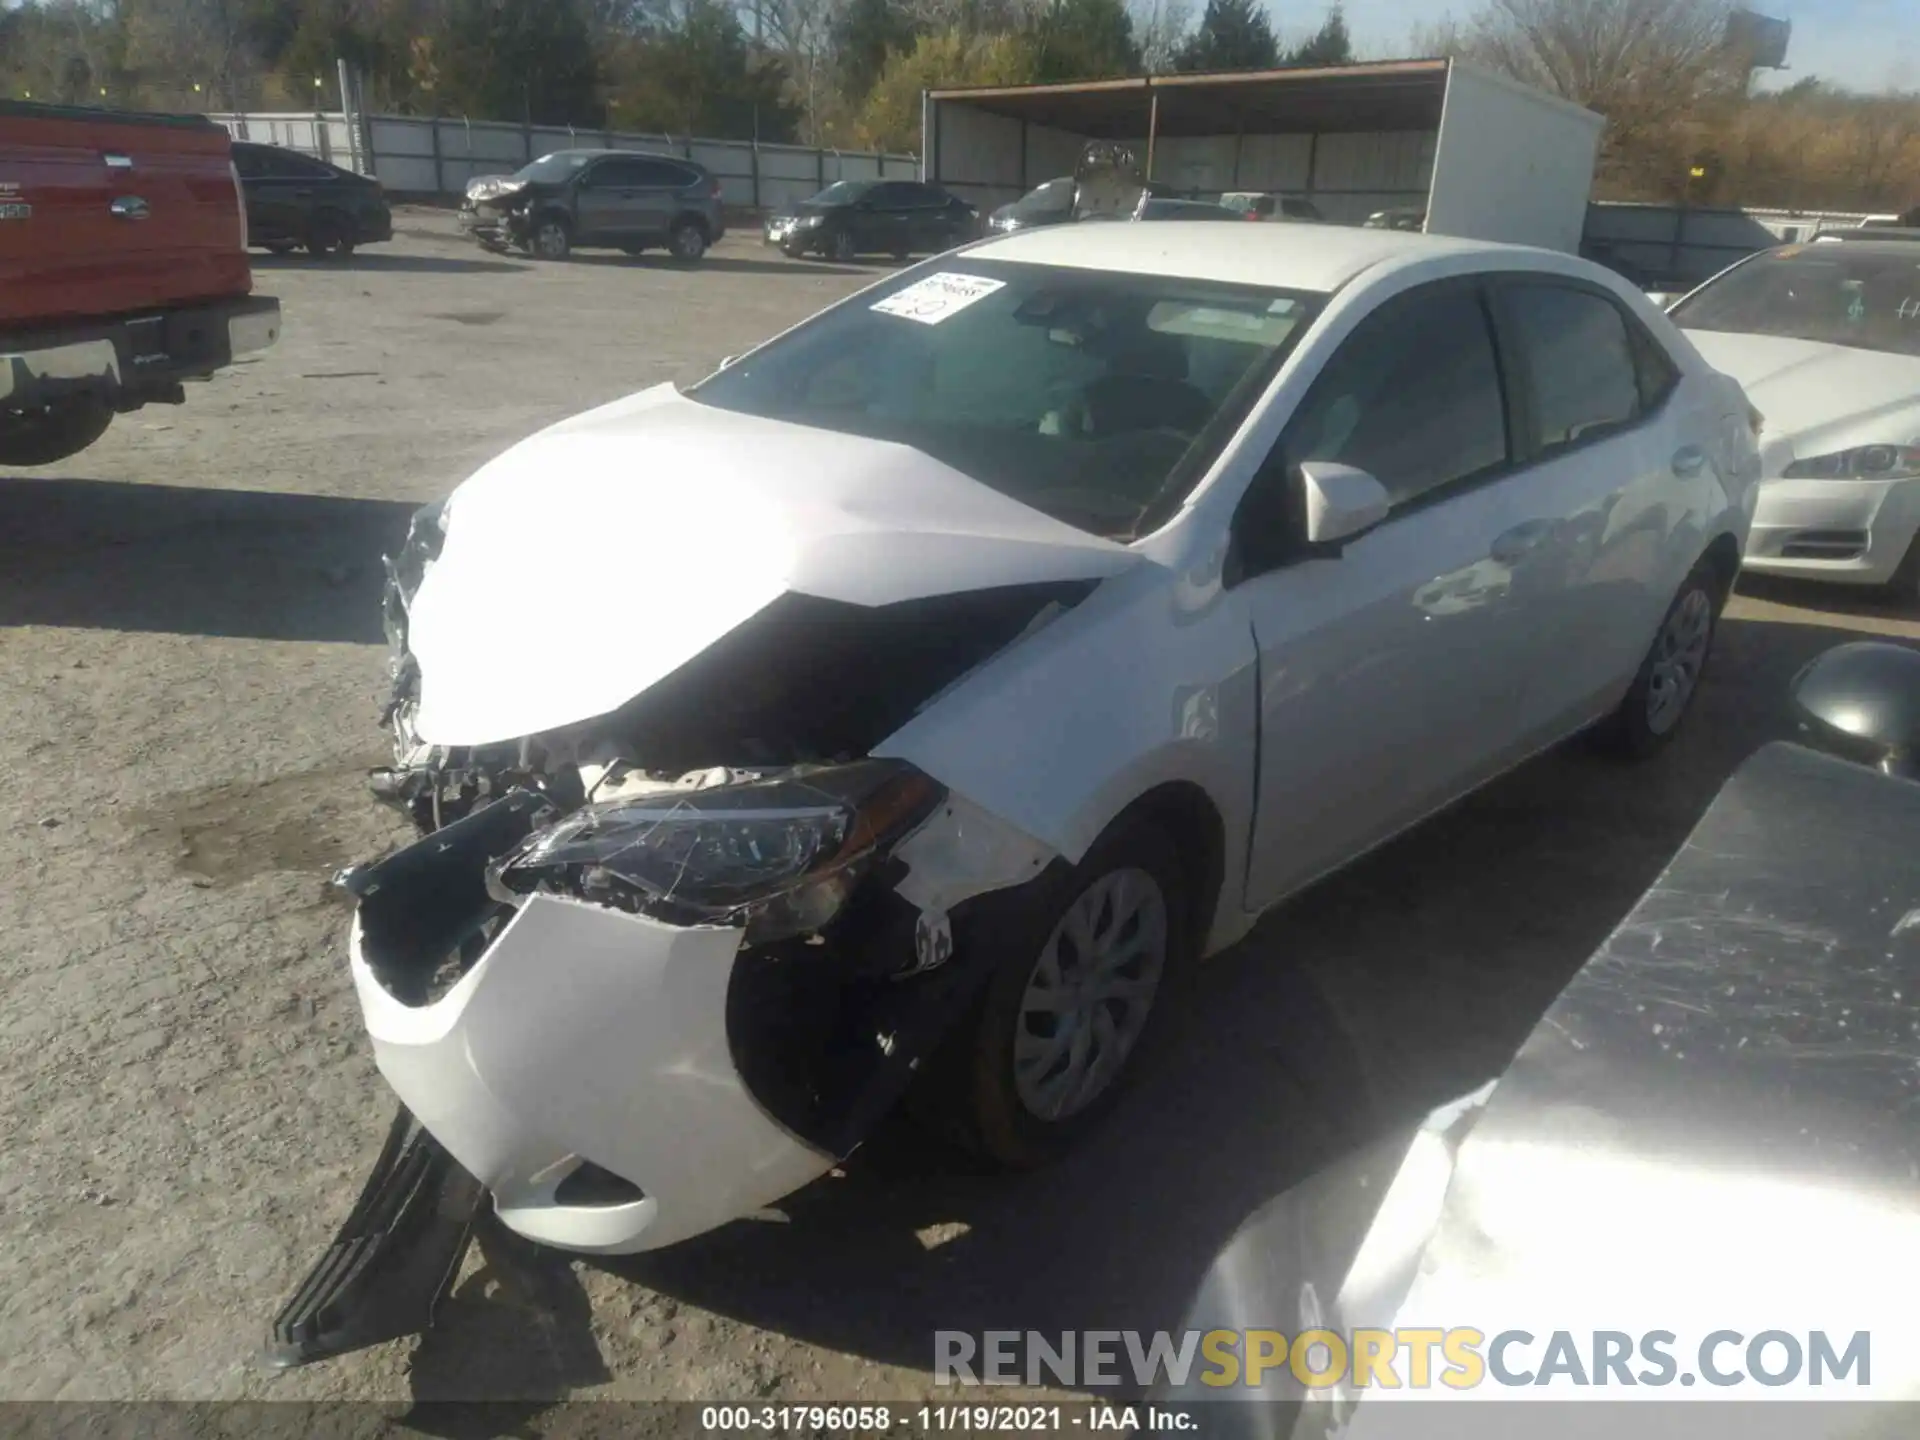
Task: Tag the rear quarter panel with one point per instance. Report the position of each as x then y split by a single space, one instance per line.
70 257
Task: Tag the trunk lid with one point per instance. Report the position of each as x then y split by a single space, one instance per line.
109 213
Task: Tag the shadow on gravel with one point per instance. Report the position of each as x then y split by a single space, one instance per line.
375 261
261 564
1383 991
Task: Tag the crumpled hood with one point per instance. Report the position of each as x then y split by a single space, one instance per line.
594 559
1824 397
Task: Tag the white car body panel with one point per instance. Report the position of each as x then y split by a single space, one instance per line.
1344 698
625 1062
726 513
1819 399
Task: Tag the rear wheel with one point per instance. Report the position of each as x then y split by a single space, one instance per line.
329 234
1663 690
46 433
687 241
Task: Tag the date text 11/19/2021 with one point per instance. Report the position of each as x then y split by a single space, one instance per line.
818 1420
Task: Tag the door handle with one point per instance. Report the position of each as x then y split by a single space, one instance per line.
1510 546
1689 460
129 207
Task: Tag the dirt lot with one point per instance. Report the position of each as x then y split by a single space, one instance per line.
193 667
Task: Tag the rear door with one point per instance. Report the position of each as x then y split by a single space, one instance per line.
886 217
284 190
1613 436
654 201
109 213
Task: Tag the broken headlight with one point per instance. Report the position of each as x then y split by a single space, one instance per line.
780 854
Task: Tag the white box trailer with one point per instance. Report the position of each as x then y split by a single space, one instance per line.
1479 155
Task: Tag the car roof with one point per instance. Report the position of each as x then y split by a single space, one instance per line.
1888 239
623 155
1298 257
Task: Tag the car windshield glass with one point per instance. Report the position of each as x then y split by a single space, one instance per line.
842 192
1834 293
551 169
1048 199
1098 398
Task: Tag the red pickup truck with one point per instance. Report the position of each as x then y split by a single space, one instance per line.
123 270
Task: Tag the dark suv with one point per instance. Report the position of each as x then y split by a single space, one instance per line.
859 217
295 200
622 199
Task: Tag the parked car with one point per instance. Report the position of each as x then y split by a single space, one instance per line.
1753 1007
1151 208
295 200
618 199
1410 217
862 217
123 271
1826 340
1047 204
1258 205
1057 612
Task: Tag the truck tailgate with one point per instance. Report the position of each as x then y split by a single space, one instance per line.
103 213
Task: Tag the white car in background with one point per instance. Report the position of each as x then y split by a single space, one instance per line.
910 699
1826 339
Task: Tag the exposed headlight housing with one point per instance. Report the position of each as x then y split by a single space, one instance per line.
1862 462
780 855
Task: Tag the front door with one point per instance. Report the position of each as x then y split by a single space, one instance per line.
599 213
1390 673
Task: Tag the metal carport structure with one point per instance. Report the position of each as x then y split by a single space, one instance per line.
1482 155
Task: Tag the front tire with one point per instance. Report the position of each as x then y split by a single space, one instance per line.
841 247
1663 691
49 433
1065 1014
550 238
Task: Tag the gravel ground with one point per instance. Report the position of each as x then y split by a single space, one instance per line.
193 670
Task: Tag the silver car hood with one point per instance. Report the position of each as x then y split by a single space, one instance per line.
1822 397
592 560
1713 1128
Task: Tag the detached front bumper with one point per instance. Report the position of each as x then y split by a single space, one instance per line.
589 1044
489 227
1847 531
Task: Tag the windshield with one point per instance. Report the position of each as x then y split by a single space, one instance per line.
842 192
1838 293
552 169
1049 199
1097 398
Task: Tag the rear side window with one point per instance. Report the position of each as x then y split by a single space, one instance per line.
1413 396
1588 377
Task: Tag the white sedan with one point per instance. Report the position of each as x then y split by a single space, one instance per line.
909 699
1826 340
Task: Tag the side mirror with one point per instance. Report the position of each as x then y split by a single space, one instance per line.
1341 501
1861 701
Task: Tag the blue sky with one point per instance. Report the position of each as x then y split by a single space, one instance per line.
1864 44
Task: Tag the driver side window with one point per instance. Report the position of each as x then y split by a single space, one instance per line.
1413 397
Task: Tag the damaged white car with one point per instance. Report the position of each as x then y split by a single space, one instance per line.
903 705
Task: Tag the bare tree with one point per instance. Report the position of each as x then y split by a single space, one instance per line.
1161 28
1659 70
174 46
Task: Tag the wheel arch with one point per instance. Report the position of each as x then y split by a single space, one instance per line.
1187 813
1723 554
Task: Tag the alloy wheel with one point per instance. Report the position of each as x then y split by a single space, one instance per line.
550 240
1089 995
1678 655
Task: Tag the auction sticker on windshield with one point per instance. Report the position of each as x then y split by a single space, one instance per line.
938 297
